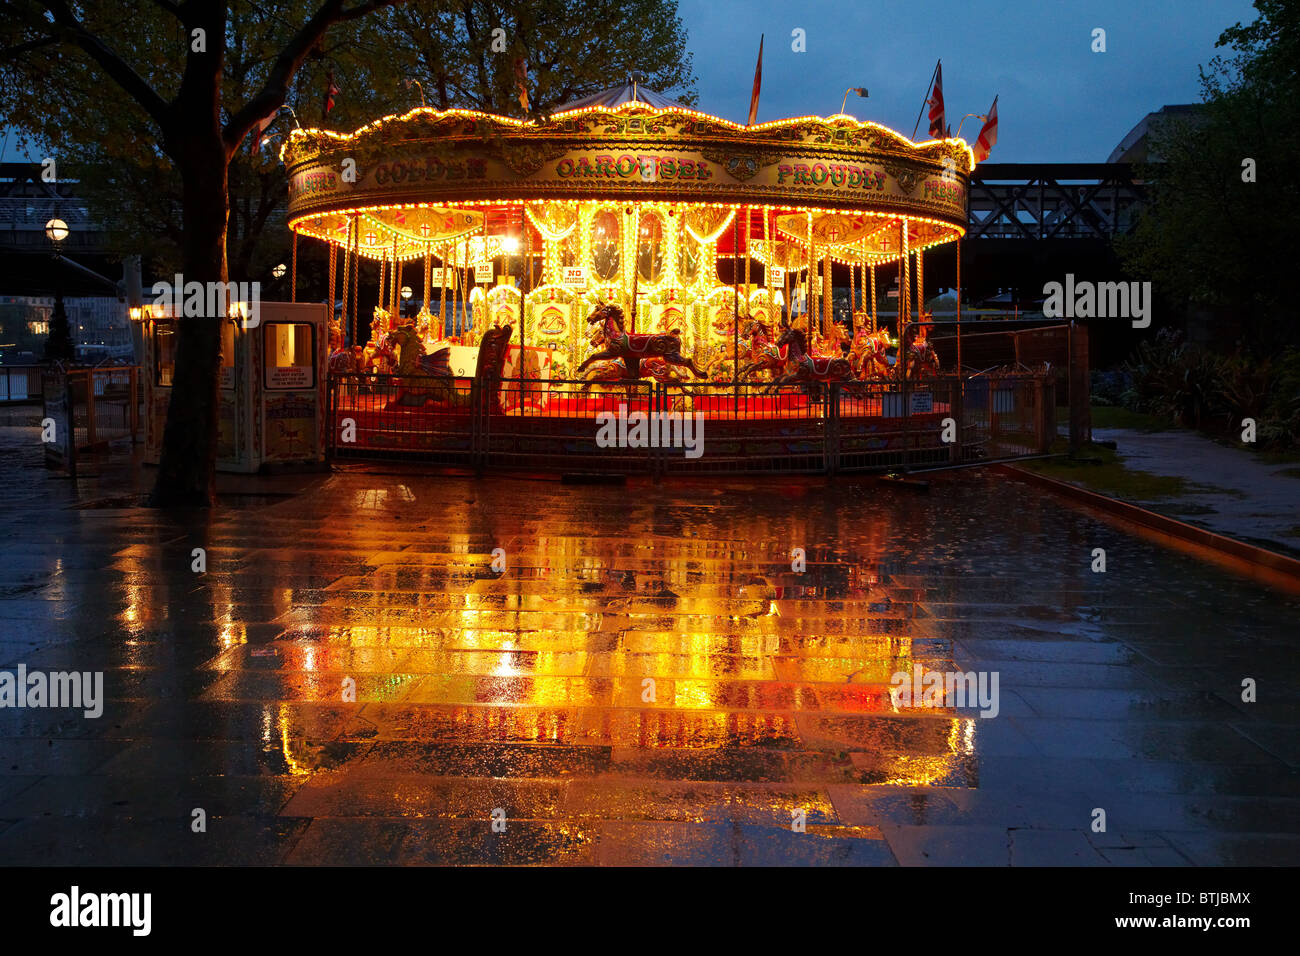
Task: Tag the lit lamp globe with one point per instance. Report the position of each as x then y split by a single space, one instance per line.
510 244
56 230
279 271
406 292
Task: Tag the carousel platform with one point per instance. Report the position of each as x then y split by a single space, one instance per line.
842 427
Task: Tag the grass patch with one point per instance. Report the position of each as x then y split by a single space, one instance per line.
1114 416
1102 470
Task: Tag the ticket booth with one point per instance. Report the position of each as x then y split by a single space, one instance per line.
272 399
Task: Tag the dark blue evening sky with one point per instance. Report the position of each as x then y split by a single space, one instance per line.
1060 102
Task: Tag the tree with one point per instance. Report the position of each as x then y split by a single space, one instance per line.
170 169
58 344
175 76
1217 224
570 48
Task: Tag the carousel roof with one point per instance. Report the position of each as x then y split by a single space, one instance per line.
629 92
458 180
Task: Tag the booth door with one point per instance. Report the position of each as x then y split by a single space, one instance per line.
291 403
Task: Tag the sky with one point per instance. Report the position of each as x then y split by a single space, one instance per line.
1058 100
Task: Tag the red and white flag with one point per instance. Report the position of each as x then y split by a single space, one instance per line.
988 134
758 83
521 80
331 91
259 129
937 125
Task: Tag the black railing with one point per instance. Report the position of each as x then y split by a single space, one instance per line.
704 427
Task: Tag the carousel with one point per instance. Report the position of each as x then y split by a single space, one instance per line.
628 238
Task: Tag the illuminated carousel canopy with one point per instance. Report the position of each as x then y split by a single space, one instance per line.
426 178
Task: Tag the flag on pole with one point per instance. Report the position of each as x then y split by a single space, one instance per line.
936 104
758 82
988 134
521 80
331 91
259 129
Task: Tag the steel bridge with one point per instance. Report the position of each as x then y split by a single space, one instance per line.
1041 201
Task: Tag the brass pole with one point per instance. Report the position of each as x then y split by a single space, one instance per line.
827 316
442 282
428 274
853 302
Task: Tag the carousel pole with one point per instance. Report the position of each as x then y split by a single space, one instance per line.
356 287
903 280
871 267
527 282
397 289
293 269
771 257
749 214
636 262
428 274
395 284
853 303
442 302
904 308
334 276
827 316
347 287
735 324
920 287
809 302
464 302
382 300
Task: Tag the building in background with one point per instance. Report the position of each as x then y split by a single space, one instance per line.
100 327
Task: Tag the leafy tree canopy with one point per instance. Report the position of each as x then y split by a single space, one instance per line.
1218 226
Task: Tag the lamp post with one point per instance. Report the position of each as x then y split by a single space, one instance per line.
406 297
58 343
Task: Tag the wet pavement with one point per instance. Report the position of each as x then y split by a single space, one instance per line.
1233 492
648 680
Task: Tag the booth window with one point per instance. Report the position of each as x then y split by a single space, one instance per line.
164 351
289 351
227 354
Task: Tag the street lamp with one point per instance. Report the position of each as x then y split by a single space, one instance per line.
56 230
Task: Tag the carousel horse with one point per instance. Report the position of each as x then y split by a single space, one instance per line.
763 356
633 348
829 344
921 357
806 368
870 354
615 370
413 362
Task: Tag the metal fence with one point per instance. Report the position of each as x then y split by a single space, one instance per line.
20 383
106 404
643 427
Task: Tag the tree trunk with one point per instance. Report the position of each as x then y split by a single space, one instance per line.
186 471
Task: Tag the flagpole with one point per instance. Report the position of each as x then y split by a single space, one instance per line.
926 100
